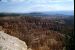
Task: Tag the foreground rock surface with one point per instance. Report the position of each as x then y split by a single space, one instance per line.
8 42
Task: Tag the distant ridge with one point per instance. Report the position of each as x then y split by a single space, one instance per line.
40 13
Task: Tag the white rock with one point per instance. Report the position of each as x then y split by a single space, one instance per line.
8 42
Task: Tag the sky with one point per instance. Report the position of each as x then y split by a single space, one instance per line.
26 6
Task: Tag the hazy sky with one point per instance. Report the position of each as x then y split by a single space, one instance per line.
36 5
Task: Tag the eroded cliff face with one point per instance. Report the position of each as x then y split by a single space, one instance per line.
8 42
39 34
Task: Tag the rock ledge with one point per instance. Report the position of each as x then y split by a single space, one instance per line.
8 42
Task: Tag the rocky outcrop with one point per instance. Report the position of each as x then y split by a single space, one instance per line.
8 42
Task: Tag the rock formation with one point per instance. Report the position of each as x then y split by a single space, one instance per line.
8 42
